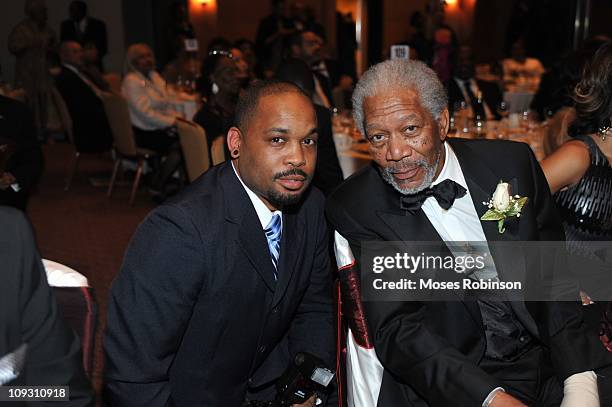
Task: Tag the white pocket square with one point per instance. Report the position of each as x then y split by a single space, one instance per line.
12 364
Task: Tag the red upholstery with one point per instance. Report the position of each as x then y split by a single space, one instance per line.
79 309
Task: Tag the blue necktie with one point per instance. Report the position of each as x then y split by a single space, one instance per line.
273 234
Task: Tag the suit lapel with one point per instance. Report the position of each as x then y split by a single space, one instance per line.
291 241
239 210
482 182
416 227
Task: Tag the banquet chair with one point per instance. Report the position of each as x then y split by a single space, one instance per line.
77 305
195 148
216 150
116 108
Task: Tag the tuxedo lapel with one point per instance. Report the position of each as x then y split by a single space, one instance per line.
251 238
482 181
414 226
291 242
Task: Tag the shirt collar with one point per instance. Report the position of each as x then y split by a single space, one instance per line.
72 68
451 169
263 213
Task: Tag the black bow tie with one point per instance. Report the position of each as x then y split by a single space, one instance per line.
445 193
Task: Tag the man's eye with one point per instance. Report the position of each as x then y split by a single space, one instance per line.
276 140
309 142
411 129
377 138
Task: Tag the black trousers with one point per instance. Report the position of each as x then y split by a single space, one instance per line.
165 145
530 379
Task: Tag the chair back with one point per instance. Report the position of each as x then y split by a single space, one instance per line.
77 305
118 115
63 114
195 148
216 150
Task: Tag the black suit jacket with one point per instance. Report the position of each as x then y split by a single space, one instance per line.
26 161
328 173
29 315
431 351
491 95
90 127
95 31
195 317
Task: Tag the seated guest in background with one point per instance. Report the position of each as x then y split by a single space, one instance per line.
469 350
464 87
90 128
152 111
37 348
219 85
248 51
328 174
242 67
308 45
21 159
84 29
183 71
522 69
222 287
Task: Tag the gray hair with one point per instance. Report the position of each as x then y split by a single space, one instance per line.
399 74
132 53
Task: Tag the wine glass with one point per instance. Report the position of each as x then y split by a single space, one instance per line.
462 122
503 109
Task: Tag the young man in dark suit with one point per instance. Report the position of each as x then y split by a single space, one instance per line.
21 159
223 285
84 29
423 187
36 346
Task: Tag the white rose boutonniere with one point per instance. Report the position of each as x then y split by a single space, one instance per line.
503 205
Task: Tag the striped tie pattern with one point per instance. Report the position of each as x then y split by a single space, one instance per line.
273 234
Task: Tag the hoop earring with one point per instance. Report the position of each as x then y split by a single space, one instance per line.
235 153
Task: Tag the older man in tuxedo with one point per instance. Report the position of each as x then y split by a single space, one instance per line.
221 287
423 187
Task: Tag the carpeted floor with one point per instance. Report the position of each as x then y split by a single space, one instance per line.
82 228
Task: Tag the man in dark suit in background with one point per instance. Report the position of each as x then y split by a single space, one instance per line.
84 29
464 87
425 188
90 128
36 346
222 286
21 159
307 45
328 174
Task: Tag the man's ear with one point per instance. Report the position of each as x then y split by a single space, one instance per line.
444 123
234 140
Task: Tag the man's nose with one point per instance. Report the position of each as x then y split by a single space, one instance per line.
397 149
296 156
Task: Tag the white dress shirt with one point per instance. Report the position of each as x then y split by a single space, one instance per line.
151 104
